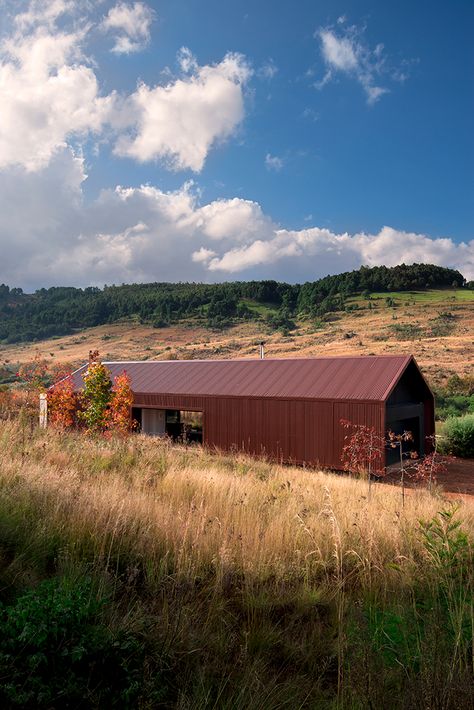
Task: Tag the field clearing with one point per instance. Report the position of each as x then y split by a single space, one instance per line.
431 296
360 332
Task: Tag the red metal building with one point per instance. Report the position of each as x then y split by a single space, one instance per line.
286 409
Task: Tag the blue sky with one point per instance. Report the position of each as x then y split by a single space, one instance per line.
233 140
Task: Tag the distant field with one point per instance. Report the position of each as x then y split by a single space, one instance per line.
436 326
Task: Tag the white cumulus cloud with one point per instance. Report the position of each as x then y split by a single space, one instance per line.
130 25
50 235
49 95
181 121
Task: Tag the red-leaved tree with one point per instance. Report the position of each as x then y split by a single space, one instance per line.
119 414
363 448
62 402
427 470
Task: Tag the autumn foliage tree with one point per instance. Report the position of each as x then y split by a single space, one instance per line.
363 448
96 397
119 417
62 402
427 470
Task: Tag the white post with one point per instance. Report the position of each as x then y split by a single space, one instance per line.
43 411
262 352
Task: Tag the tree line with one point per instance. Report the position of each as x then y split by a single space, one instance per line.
63 310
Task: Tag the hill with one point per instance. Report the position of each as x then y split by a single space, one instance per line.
65 310
434 324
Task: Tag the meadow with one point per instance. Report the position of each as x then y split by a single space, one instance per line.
137 573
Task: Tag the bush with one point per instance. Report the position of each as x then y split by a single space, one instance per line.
280 320
459 436
406 331
452 405
55 651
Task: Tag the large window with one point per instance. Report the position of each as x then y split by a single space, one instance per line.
179 424
191 426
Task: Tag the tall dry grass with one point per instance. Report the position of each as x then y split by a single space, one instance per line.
272 586
203 511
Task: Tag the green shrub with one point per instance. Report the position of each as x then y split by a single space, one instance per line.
56 651
406 331
449 404
459 436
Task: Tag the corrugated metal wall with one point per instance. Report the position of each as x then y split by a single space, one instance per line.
289 430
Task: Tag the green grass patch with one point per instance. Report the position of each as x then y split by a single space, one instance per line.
429 296
261 309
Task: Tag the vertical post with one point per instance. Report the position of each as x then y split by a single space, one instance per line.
262 352
43 411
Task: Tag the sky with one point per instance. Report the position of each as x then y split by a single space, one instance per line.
197 140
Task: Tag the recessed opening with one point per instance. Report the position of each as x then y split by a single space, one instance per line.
180 425
412 425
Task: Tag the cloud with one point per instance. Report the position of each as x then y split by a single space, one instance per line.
344 51
43 12
339 53
131 26
51 94
186 60
309 253
181 121
273 162
50 235
268 70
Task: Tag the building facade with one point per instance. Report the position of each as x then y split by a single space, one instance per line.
289 410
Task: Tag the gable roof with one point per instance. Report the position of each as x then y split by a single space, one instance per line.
367 378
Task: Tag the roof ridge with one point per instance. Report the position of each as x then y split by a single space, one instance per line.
400 356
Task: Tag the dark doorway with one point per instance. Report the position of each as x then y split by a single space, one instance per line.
412 425
137 419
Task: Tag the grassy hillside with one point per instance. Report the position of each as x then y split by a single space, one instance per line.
165 576
437 326
65 310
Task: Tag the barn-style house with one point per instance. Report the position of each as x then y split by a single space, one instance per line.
287 409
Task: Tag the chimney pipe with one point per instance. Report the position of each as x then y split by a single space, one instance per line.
262 352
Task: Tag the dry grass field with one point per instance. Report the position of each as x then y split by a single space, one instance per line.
229 582
441 347
210 510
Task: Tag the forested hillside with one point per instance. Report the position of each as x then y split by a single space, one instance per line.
63 310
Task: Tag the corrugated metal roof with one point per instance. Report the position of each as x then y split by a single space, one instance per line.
368 378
